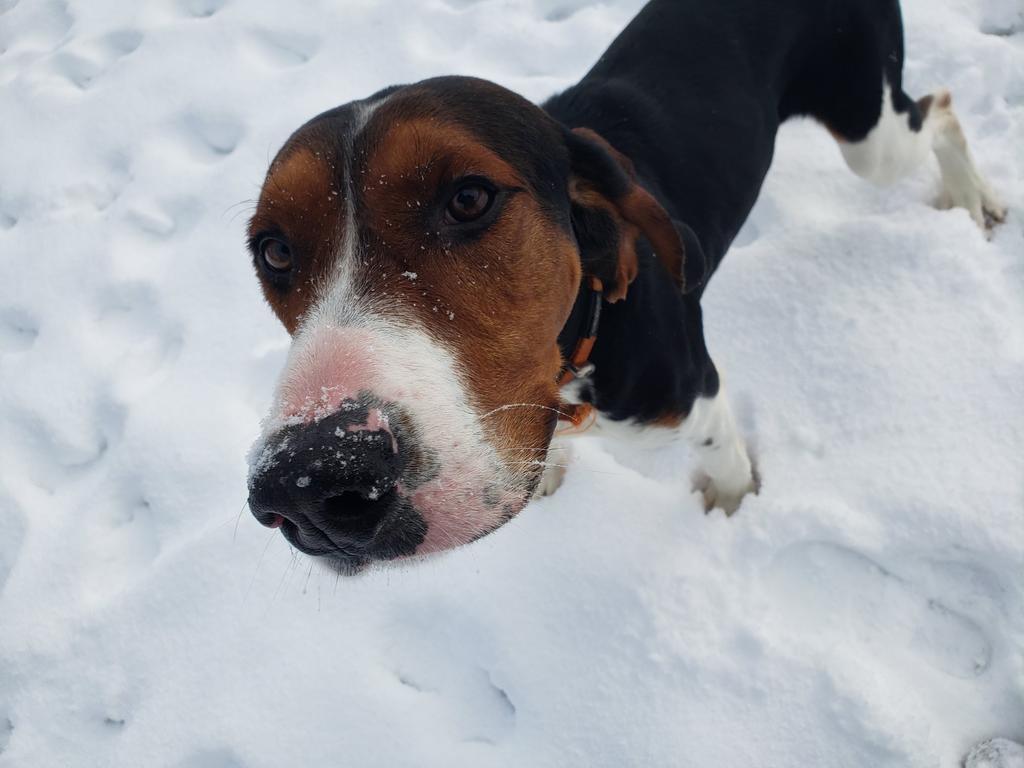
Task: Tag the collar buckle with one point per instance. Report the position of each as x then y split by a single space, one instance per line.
578 366
581 371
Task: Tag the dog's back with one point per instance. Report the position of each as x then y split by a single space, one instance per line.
693 93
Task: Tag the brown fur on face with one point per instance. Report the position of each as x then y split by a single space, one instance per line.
302 201
496 299
360 192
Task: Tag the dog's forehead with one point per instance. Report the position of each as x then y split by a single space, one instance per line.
453 113
484 114
314 155
364 179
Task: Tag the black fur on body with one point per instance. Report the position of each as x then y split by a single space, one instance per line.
693 93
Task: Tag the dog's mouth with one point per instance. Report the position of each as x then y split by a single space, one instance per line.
342 557
345 565
360 486
401 539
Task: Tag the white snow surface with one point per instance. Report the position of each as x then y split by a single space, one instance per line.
996 753
864 610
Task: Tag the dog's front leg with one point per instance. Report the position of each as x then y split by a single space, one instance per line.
725 474
555 465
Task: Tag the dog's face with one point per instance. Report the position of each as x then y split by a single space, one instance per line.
420 248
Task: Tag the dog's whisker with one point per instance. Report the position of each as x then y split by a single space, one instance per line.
234 534
574 467
287 570
308 574
270 538
540 450
237 209
510 406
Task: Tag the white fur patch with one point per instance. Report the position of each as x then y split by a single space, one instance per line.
721 452
331 362
710 430
891 150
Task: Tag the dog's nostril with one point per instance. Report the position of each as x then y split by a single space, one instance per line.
356 514
268 519
353 505
333 482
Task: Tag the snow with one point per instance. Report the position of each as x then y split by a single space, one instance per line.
864 610
996 753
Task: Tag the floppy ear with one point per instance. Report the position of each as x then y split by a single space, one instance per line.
695 264
611 211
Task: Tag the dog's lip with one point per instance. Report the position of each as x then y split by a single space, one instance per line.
338 560
346 566
349 558
332 550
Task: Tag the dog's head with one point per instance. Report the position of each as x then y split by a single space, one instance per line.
424 247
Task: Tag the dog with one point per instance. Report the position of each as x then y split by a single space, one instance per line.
461 270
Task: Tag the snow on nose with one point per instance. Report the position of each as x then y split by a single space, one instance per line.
372 370
332 367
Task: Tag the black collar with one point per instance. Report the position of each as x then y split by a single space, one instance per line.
580 332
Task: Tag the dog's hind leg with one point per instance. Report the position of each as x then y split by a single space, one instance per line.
963 184
902 139
855 87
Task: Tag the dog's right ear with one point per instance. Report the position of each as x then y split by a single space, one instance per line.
611 211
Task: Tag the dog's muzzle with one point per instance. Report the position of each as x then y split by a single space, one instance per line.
334 486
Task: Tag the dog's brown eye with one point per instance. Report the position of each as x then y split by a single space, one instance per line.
470 202
276 254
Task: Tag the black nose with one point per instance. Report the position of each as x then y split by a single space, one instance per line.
330 485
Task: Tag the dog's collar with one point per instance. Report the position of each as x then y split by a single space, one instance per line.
578 365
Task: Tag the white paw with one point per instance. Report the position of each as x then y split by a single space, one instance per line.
555 464
550 481
963 185
977 198
993 208
719 495
996 753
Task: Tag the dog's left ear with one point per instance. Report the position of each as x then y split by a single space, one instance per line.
611 211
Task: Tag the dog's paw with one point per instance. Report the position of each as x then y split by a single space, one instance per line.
978 199
996 753
550 481
559 455
963 184
724 496
992 207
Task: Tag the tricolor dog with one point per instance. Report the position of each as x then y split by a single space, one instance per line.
461 270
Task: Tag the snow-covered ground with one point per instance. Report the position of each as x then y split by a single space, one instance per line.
865 610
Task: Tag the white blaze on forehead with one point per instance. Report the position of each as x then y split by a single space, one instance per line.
339 287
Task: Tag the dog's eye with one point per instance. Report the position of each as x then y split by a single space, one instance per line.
276 254
470 201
